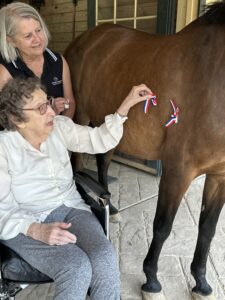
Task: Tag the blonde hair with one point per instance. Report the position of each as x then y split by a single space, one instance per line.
9 16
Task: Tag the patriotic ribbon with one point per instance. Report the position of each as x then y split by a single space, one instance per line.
174 117
147 103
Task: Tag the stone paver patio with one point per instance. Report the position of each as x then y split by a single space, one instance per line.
135 193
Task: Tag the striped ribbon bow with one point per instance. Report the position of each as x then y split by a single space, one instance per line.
147 103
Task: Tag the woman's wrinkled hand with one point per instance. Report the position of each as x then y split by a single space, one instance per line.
137 94
52 233
59 104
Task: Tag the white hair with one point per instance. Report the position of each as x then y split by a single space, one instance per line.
9 17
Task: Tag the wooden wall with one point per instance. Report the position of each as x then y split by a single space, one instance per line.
65 21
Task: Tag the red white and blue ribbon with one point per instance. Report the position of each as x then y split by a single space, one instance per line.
174 117
147 103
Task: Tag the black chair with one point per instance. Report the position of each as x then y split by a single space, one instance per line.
16 273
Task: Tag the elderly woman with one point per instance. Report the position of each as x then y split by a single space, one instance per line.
42 216
24 53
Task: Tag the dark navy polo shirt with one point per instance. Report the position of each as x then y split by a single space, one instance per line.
51 77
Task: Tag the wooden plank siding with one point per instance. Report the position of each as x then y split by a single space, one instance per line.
65 21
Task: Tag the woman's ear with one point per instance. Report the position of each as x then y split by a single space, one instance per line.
20 125
10 41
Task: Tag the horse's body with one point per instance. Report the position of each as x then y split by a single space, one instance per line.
189 68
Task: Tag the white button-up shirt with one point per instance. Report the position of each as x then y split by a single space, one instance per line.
33 182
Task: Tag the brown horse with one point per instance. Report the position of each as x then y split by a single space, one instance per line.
187 67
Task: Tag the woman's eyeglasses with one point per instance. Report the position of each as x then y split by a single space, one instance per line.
40 109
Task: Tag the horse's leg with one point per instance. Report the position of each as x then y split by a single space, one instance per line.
80 118
212 203
103 161
174 182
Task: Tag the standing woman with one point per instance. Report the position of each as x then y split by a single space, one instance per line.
24 53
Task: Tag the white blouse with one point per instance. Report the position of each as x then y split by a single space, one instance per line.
33 182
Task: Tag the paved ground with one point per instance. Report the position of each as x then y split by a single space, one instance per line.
135 193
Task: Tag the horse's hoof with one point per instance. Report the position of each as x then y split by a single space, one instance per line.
196 296
115 218
152 296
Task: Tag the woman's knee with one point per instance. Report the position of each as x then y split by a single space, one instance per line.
105 261
77 267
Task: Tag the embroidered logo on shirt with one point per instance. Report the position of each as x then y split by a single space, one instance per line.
56 81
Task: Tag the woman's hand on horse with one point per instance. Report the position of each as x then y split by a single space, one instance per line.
52 233
137 94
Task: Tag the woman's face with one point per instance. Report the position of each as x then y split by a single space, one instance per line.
38 126
29 39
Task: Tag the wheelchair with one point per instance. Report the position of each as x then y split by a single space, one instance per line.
16 273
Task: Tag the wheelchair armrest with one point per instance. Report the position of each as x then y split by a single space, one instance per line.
88 182
99 206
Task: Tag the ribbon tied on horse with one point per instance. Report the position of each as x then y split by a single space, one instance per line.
174 117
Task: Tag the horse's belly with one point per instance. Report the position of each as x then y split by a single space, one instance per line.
140 148
143 136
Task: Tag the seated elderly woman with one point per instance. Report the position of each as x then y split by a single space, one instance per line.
42 216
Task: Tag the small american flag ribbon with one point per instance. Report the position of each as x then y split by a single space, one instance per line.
174 117
147 103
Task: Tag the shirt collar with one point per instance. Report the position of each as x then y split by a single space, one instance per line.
19 64
21 142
